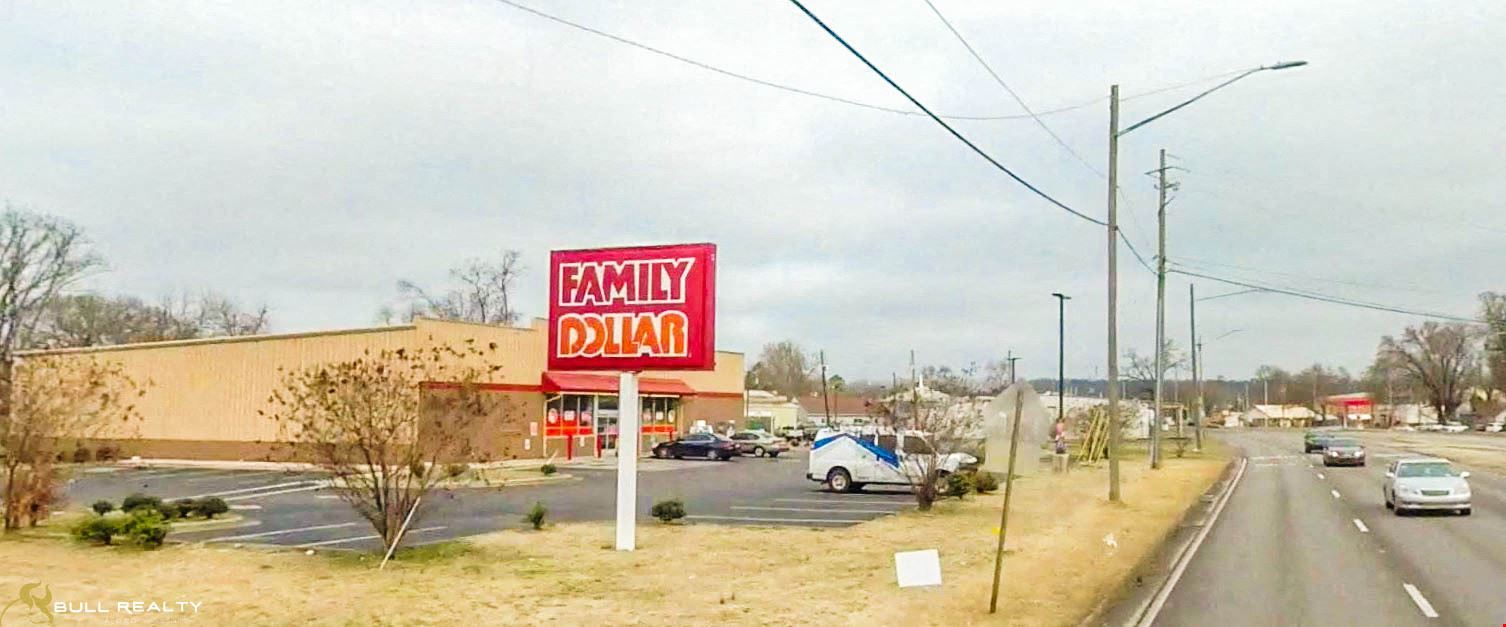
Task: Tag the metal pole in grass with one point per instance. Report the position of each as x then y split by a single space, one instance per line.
401 530
1014 443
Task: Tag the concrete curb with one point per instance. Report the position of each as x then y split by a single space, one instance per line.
1147 581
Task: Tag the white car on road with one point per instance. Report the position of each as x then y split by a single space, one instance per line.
1426 484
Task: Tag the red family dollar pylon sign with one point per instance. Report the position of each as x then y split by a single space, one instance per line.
629 310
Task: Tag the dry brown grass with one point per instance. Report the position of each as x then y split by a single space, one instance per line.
1058 567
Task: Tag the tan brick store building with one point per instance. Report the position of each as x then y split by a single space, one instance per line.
204 395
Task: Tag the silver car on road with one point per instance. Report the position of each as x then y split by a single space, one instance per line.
1426 484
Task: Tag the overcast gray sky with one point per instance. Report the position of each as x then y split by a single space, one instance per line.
309 154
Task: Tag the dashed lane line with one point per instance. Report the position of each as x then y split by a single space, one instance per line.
897 503
1360 524
1421 601
318 485
1335 493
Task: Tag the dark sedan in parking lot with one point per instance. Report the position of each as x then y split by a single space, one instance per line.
707 445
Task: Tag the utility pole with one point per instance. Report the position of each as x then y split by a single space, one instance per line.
1197 385
1113 232
825 398
1011 359
1155 423
1061 356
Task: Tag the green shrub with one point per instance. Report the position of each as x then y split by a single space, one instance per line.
985 482
147 527
186 507
105 453
100 529
212 506
455 470
536 514
138 501
548 469
669 510
168 511
102 507
958 485
81 455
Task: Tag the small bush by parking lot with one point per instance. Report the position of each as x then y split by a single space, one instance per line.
669 510
536 515
143 526
985 482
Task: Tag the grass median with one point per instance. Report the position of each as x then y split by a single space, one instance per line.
1057 569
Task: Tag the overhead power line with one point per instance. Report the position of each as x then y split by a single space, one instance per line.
1326 298
940 121
1200 264
830 97
1018 100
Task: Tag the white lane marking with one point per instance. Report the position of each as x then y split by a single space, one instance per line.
316 486
279 532
1335 493
259 488
813 509
896 503
1185 558
1320 475
244 507
326 496
819 521
1360 524
370 537
236 474
1421 601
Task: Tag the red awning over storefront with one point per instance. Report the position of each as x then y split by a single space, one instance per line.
556 382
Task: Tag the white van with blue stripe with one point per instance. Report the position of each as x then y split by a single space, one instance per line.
848 459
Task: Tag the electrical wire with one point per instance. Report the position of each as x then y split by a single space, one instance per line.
1198 264
940 121
1325 298
1018 100
838 99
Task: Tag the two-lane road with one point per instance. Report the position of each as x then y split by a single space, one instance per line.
1301 544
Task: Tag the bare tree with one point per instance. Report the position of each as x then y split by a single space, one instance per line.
784 367
484 293
1493 310
93 320
930 432
381 423
1142 368
57 399
40 256
1439 359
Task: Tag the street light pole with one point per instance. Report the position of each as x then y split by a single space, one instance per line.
1155 426
1061 355
1113 232
1196 385
1112 225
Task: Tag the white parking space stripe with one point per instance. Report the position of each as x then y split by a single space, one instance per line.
259 488
1335 493
280 532
1320 475
897 503
1360 524
238 508
370 537
1421 601
803 521
813 509
316 486
235 474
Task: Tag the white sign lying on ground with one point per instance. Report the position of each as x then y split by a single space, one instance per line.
918 568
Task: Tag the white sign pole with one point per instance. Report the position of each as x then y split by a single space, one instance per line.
627 461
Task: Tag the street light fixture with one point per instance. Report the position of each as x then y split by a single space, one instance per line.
1113 253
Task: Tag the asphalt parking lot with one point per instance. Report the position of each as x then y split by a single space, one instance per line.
297 509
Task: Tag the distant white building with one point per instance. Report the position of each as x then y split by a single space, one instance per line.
1278 416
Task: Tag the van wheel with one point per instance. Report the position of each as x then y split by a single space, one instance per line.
839 480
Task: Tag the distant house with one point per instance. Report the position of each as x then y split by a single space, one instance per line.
1413 414
771 411
837 408
1286 416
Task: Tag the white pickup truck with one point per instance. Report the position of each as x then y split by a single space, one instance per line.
848 459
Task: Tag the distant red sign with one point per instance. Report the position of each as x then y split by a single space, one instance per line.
632 309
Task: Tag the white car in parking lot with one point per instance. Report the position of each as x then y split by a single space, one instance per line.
1426 484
